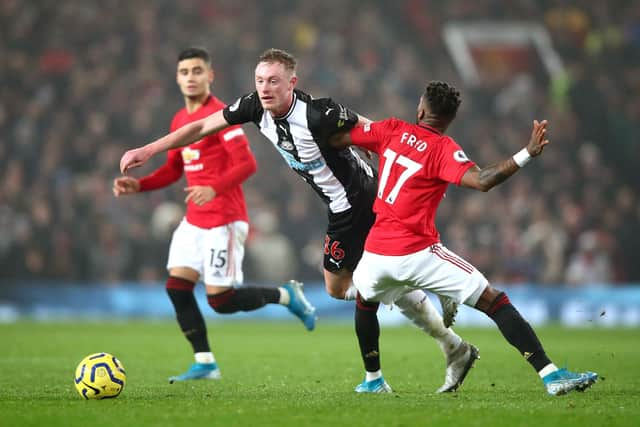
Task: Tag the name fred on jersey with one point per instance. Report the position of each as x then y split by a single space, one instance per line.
412 141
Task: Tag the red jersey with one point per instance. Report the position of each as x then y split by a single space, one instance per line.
416 165
221 160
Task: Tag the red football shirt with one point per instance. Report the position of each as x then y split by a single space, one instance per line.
221 160
416 164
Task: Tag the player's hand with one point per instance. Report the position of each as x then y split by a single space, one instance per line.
125 185
134 158
537 140
199 194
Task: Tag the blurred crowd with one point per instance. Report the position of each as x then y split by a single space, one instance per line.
83 81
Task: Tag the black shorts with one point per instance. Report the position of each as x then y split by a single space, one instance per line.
347 232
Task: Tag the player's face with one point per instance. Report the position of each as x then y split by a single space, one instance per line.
275 87
194 77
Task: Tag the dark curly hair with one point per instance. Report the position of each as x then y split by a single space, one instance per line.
442 98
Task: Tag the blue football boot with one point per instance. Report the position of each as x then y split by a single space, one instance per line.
299 306
199 371
374 386
563 381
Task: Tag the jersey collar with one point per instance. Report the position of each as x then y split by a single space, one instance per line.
429 128
288 113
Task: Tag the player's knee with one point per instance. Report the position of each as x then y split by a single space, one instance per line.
223 302
363 305
334 291
337 284
486 299
499 300
177 284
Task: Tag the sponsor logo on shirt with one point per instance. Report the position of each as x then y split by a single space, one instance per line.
299 165
367 127
194 168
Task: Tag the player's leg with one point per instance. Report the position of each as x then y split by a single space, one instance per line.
519 333
424 270
460 355
183 266
224 252
368 333
339 284
343 247
344 244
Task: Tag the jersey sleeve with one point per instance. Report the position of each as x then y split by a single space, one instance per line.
246 109
372 135
332 118
452 162
243 163
166 174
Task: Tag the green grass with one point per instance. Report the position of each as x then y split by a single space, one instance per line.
277 374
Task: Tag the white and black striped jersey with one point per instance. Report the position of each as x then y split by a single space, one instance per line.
300 136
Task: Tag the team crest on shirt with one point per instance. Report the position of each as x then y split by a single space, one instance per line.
189 155
285 144
460 157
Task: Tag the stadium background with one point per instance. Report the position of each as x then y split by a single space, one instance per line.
84 81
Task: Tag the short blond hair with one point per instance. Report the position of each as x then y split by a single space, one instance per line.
279 56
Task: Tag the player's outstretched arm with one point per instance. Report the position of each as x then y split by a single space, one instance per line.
186 135
487 178
362 120
340 140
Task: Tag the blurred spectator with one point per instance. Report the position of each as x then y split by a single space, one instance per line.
84 81
590 264
270 252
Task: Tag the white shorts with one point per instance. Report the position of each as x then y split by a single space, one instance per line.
216 253
385 278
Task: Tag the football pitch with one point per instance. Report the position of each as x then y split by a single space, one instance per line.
278 374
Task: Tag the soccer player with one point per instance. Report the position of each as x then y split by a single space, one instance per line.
299 127
403 251
209 242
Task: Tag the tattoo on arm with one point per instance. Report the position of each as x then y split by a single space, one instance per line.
497 173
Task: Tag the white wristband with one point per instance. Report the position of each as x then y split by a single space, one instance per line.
522 157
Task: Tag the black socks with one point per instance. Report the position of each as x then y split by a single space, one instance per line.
243 299
188 313
517 331
368 332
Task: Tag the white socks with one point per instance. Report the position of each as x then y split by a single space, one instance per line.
204 357
417 307
373 375
285 299
351 293
550 368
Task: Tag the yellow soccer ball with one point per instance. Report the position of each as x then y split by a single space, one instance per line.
100 376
